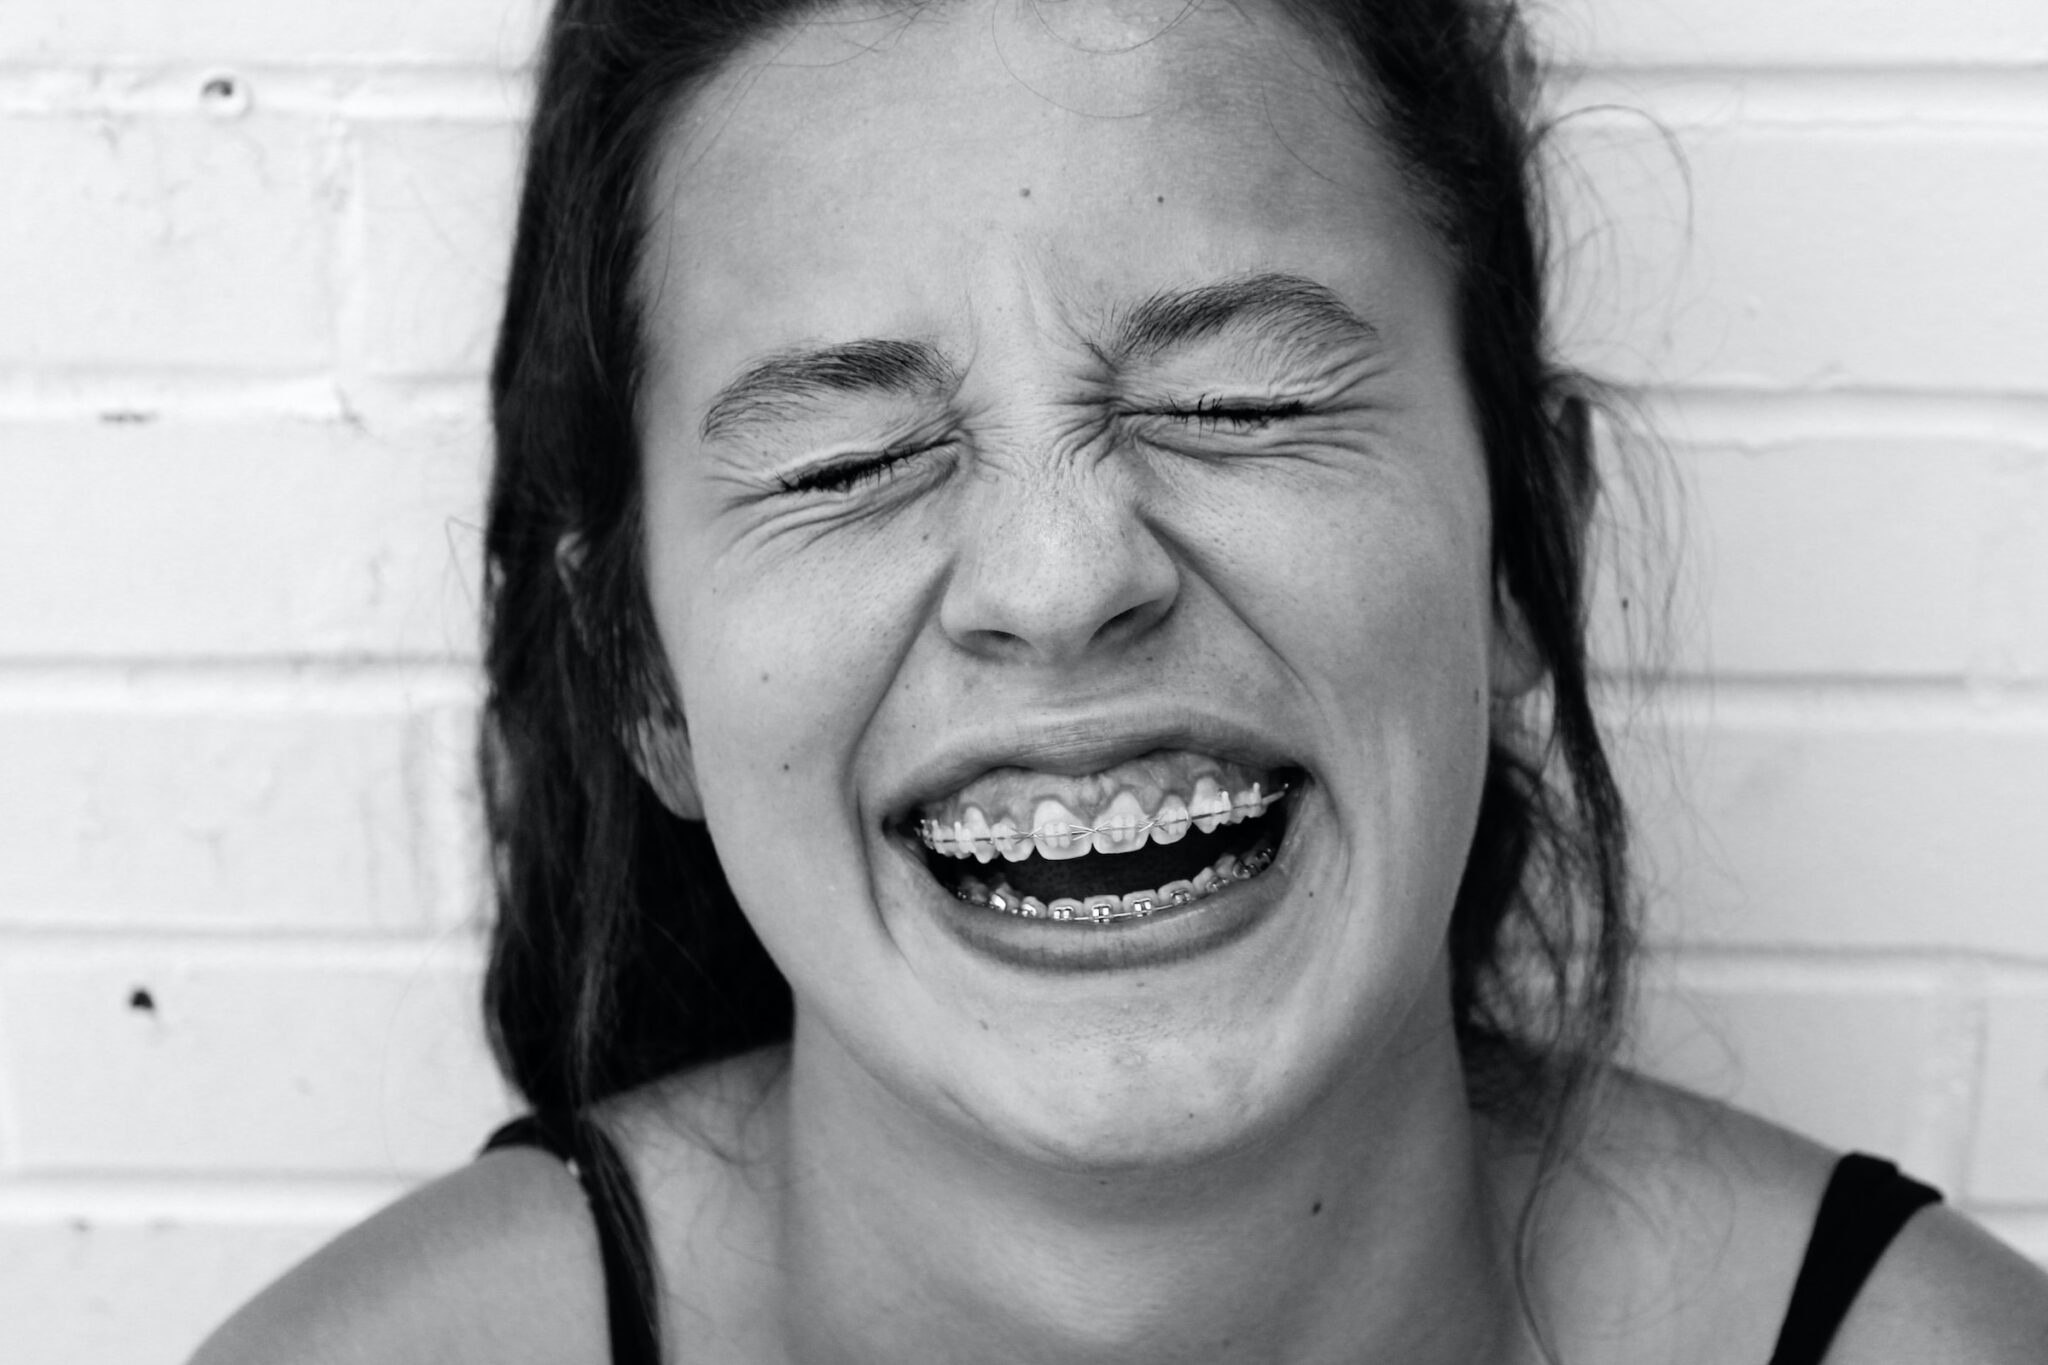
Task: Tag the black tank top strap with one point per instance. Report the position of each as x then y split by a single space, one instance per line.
615 1213
1866 1203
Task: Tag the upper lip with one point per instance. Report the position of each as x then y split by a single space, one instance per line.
1077 744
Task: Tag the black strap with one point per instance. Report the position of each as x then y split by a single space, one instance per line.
616 1214
1866 1203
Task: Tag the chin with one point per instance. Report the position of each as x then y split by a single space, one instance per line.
1132 1105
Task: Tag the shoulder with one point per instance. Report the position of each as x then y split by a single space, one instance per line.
1947 1290
1703 1212
1675 1229
496 1262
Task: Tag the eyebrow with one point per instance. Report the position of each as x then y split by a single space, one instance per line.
779 386
1282 310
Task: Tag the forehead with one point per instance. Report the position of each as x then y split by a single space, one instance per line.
911 174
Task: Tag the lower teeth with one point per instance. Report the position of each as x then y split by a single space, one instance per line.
1107 909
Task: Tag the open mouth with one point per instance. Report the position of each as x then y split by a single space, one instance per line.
1157 833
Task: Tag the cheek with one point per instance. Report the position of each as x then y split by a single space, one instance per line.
781 657
1392 643
1387 596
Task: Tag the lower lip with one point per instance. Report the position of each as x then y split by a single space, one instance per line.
1166 936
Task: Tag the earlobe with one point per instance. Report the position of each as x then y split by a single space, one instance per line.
1515 667
661 752
659 746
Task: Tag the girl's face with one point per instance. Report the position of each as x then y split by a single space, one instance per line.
1055 420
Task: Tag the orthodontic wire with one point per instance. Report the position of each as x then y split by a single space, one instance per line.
929 831
1106 915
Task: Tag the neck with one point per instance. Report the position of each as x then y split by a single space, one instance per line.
1366 1232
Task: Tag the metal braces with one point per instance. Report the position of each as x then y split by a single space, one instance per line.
929 830
1107 909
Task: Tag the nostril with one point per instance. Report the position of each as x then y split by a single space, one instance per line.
1135 620
1127 617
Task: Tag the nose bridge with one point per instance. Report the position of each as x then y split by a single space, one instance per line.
1056 561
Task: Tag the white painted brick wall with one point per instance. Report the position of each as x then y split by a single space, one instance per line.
172 240
1815 255
367 32
1735 34
242 444
244 1057
433 229
165 537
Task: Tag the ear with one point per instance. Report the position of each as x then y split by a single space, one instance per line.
657 745
660 749
1514 665
1517 666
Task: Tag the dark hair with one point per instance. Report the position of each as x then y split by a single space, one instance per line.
619 955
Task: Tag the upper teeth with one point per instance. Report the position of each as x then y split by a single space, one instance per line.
1124 826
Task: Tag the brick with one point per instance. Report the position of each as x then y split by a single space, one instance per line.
185 538
437 226
1868 1066
321 1060
2012 630
451 841
172 242
1809 258
218 814
84 1293
488 31
1831 822
2009 1161
1850 556
2025 1231
1692 33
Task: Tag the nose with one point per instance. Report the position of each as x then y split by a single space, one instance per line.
1057 569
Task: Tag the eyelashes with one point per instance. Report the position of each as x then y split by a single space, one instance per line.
1233 416
1207 416
848 476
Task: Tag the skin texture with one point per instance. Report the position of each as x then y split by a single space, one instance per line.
1066 560
1065 564
1042 553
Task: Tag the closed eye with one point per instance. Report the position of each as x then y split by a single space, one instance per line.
1234 417
847 475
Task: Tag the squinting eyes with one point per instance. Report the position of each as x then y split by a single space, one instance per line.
1234 416
1208 416
848 475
